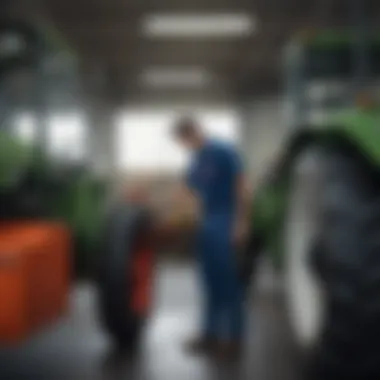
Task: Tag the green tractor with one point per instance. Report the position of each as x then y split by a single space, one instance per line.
112 246
56 224
318 210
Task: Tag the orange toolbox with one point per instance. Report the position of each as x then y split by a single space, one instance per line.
34 277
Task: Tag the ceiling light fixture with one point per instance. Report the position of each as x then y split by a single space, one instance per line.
221 25
175 77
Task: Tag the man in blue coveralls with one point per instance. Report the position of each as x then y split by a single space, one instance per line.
216 178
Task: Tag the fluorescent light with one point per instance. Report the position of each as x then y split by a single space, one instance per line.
198 25
175 77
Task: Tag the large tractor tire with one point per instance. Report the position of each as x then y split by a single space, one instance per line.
333 264
126 275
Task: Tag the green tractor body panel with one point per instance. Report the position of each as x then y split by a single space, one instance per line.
357 128
362 129
14 159
267 220
87 209
330 38
81 208
61 192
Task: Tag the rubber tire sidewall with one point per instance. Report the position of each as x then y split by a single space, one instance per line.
343 255
124 326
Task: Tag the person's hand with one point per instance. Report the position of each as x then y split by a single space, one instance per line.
137 194
240 232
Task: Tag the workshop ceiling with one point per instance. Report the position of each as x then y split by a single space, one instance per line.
111 40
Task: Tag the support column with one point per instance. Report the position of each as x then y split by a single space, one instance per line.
101 124
41 110
5 106
40 100
264 132
247 136
361 21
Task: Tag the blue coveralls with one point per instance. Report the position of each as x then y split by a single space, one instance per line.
212 175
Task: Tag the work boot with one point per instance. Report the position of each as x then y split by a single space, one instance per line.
229 351
201 345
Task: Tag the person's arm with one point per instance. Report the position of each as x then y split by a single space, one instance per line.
181 195
184 189
243 197
243 208
242 194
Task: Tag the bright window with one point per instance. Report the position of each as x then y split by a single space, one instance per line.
144 141
222 124
67 134
24 127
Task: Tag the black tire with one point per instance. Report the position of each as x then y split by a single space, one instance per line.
126 225
345 257
250 256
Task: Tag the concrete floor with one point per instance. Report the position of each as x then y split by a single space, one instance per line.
78 349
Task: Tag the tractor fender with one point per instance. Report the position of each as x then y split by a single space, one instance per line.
356 133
